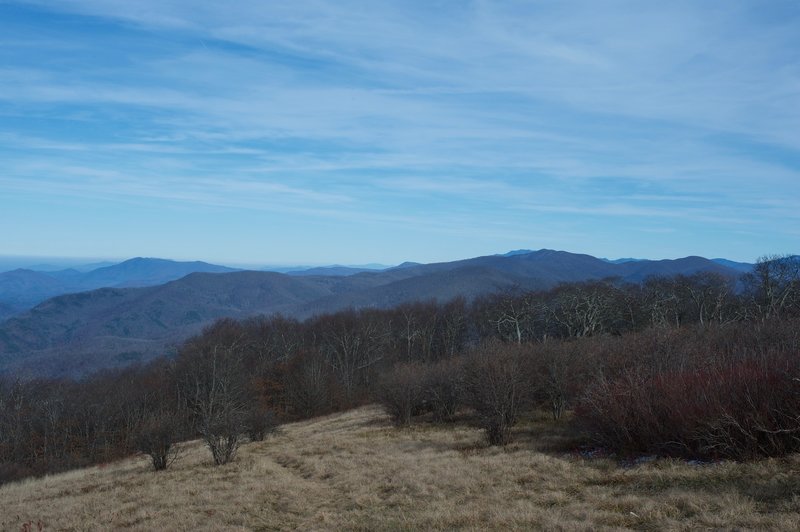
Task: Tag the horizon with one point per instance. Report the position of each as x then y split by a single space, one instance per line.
12 262
355 132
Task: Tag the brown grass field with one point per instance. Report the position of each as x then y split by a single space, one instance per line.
354 471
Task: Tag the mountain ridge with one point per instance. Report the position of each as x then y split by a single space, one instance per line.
23 288
73 333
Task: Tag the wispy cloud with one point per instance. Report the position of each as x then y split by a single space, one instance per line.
447 116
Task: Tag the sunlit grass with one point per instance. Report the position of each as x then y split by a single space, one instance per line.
355 471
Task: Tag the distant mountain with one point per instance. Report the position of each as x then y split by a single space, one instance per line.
743 267
22 289
638 271
334 271
48 264
622 261
147 272
77 333
407 264
72 333
81 268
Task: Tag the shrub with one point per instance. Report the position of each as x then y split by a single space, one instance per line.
559 371
497 386
400 392
10 472
259 423
156 438
443 384
222 436
739 410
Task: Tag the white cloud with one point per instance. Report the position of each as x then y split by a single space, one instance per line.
369 110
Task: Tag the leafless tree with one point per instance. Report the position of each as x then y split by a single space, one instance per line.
309 385
353 342
513 313
586 309
215 387
774 285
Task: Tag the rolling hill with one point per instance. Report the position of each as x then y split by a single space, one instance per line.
76 333
22 289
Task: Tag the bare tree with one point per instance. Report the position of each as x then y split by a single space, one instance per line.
308 385
513 313
454 327
710 295
215 387
354 342
774 285
662 301
585 309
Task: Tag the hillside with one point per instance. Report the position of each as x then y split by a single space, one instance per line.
22 289
7 311
354 471
77 333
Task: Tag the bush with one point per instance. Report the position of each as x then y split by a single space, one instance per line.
497 386
739 410
222 435
156 438
443 384
10 472
559 371
400 392
259 423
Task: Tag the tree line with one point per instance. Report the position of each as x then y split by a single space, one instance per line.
594 347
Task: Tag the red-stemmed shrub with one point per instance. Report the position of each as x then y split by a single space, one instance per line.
739 409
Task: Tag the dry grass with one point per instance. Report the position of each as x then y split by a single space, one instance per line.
355 471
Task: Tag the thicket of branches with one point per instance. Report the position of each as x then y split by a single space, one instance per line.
631 359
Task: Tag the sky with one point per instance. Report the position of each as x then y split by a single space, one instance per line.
322 132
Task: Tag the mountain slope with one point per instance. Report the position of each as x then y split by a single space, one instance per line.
743 267
640 270
74 333
22 289
143 322
7 311
146 272
336 271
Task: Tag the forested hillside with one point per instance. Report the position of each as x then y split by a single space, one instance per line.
76 334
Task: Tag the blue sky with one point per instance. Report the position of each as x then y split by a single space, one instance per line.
370 131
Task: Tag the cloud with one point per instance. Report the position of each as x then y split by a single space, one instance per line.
358 110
